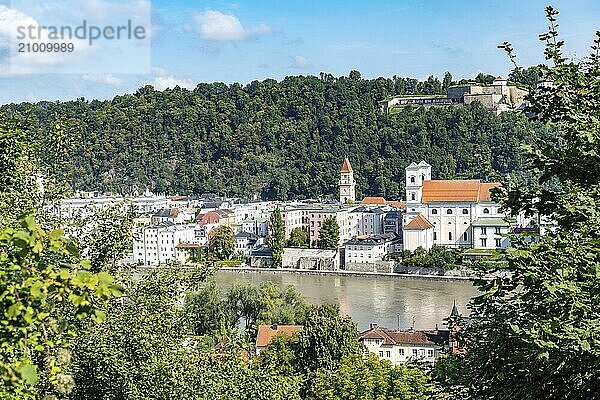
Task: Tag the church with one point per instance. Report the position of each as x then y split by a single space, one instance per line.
451 213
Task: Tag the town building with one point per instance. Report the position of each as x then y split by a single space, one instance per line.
402 346
369 248
367 221
450 212
266 333
256 226
156 244
246 242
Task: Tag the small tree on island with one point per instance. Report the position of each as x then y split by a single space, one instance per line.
298 238
276 239
329 235
221 242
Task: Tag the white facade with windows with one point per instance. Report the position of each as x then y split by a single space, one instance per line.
156 244
400 347
452 207
368 248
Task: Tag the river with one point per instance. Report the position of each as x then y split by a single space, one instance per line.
371 299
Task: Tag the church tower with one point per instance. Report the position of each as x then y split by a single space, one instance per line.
347 183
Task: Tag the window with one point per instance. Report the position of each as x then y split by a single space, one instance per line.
381 354
412 179
486 210
449 211
430 353
421 352
388 354
414 352
449 235
401 352
483 242
483 230
434 235
434 211
498 242
465 211
412 196
497 230
465 236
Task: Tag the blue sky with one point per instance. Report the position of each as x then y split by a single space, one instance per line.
198 41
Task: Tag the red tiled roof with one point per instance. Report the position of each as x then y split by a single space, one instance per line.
391 337
382 201
457 190
210 217
373 200
418 223
266 333
346 167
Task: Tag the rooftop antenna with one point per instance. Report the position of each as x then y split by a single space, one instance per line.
398 320
412 328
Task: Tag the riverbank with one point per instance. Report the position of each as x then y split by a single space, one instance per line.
244 269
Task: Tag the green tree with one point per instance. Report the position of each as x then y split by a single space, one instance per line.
44 287
276 239
370 378
221 242
326 338
329 234
298 238
535 332
484 78
447 81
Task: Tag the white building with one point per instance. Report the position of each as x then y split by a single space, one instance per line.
256 226
293 217
368 220
400 347
368 248
246 242
156 244
453 208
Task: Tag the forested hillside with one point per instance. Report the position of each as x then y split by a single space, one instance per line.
280 140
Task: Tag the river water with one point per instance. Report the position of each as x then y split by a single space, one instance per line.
371 299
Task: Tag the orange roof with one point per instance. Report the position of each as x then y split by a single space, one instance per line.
418 223
382 201
346 167
266 333
373 200
396 204
457 190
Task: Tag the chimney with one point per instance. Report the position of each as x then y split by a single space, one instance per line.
373 325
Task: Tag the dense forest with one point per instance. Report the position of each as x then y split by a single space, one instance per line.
277 140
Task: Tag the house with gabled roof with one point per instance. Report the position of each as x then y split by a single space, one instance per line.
402 346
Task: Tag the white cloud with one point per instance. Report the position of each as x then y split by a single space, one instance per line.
26 62
104 79
220 27
163 80
301 62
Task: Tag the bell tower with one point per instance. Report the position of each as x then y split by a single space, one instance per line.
347 183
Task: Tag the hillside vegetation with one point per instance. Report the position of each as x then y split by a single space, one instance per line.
280 140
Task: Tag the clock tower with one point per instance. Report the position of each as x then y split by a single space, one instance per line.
347 183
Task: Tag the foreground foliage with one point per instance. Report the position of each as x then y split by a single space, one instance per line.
536 332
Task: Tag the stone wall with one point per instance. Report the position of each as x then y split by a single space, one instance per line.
261 262
381 267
